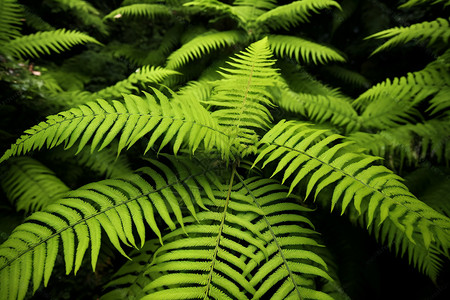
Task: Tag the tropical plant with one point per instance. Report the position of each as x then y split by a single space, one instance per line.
216 152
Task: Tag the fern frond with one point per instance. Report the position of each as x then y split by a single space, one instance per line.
30 185
140 10
320 108
36 44
391 102
433 31
141 76
116 205
254 243
295 47
411 3
412 142
242 97
356 180
202 44
291 14
10 14
102 122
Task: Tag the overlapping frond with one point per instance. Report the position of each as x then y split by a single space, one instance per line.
30 185
43 42
295 48
291 14
255 242
320 108
203 44
394 101
122 207
434 31
10 14
140 10
242 97
290 145
36 22
410 142
101 122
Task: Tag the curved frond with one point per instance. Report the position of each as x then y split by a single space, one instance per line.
120 206
291 14
10 14
393 101
36 22
357 180
30 185
411 142
433 31
43 42
320 108
140 10
100 122
295 47
202 44
255 243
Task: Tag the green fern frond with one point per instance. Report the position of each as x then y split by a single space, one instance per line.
10 14
202 44
30 185
242 97
43 42
320 108
119 206
411 3
441 101
291 14
295 47
140 10
391 102
356 180
102 122
433 31
141 76
412 142
253 244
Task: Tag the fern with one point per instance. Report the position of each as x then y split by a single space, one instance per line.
43 42
140 10
433 31
30 185
293 13
242 95
220 260
116 205
205 43
10 13
291 47
290 143
102 122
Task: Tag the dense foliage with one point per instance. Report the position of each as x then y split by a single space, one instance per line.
248 149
